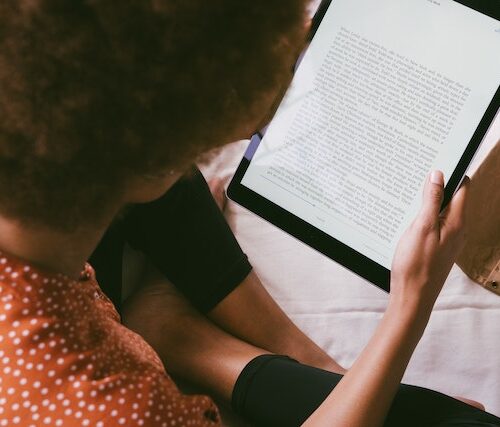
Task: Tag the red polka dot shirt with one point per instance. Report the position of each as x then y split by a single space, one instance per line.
66 360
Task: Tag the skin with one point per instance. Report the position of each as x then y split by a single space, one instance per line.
249 311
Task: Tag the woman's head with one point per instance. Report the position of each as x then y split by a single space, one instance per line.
95 92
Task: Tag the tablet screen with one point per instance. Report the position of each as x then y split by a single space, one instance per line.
386 92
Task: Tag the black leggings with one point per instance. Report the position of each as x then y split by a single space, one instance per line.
278 391
185 236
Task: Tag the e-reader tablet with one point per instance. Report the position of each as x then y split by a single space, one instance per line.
387 91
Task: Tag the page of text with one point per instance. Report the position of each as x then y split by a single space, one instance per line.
387 92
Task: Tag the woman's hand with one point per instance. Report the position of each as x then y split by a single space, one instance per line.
423 259
427 250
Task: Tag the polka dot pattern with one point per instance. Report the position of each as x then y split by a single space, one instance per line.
65 359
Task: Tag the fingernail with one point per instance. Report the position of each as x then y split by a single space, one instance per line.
437 178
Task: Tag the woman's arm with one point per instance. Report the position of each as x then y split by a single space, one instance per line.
422 262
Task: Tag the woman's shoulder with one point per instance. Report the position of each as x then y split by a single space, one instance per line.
65 358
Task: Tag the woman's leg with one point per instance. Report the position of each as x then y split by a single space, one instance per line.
423 407
276 390
186 237
250 313
266 389
191 347
203 260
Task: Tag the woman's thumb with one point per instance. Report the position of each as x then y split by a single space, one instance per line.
432 198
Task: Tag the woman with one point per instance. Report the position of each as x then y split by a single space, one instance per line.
102 107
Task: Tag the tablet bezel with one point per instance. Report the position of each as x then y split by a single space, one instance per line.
323 242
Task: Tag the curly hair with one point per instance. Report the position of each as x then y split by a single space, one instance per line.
93 91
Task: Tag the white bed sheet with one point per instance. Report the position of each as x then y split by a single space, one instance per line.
460 351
